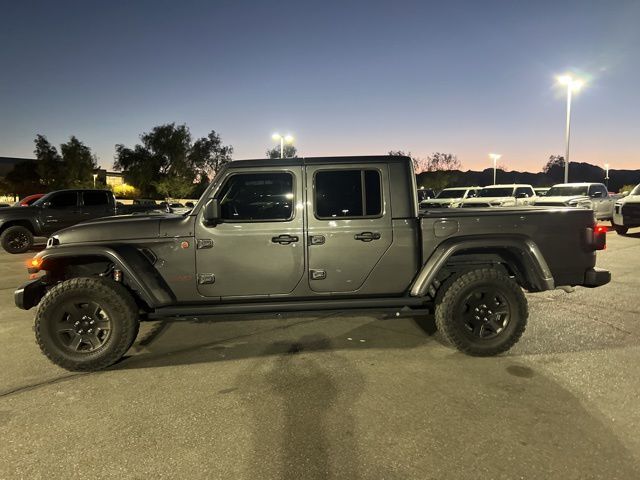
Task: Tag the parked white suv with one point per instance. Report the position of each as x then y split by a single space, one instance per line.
502 196
586 195
450 197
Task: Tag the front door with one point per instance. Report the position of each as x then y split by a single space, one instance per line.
349 224
257 248
61 211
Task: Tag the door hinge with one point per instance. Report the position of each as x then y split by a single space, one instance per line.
203 243
206 278
318 274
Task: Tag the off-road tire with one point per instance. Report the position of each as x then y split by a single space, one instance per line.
452 326
11 234
113 298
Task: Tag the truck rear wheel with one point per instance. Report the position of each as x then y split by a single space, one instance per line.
16 239
86 324
482 312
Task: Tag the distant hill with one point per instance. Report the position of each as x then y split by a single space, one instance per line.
578 172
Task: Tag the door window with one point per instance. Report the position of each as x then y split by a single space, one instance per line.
95 199
63 200
348 194
524 192
248 197
597 191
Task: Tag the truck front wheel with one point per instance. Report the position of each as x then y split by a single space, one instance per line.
16 239
86 324
482 312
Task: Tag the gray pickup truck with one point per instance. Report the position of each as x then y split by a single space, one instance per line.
310 234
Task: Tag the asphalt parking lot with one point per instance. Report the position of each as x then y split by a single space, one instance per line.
334 396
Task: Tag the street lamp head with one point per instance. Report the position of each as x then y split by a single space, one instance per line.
574 84
495 156
288 139
276 136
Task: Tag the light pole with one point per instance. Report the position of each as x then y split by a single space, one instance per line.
606 175
495 157
95 175
286 138
573 85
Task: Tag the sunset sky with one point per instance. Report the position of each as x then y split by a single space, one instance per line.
345 78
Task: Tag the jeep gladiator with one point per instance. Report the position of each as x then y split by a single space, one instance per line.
310 234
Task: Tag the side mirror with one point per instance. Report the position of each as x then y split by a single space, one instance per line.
212 212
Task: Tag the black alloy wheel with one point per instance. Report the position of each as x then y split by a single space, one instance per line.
485 313
82 326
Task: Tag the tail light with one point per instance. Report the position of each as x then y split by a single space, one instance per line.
598 236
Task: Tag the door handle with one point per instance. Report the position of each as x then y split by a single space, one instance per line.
285 239
367 236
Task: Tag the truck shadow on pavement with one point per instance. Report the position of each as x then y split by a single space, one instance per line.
178 343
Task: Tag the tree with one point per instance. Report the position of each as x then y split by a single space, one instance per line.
169 163
443 162
432 163
23 179
554 162
554 168
289 152
78 163
49 164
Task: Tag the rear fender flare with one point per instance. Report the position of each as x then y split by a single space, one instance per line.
536 271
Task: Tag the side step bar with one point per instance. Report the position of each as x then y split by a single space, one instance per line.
290 306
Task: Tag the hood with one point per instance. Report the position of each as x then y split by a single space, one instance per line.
481 200
562 199
441 201
109 229
17 211
628 199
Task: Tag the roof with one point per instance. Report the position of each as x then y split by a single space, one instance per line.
284 162
577 184
508 185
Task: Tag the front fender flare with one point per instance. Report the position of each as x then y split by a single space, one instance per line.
536 268
138 272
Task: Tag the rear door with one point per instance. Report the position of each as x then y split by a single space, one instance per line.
524 195
349 224
257 248
96 204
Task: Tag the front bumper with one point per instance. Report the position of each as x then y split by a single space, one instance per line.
29 294
596 277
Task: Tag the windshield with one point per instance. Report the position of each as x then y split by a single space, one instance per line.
452 193
496 192
568 191
41 200
635 191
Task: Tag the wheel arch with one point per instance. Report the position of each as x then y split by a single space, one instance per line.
519 256
18 223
